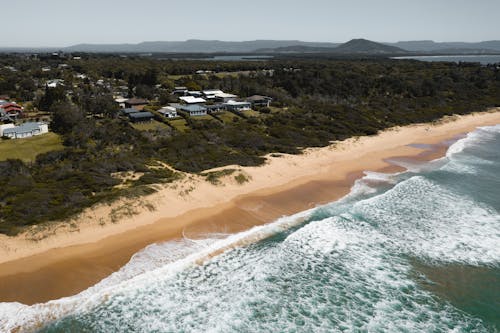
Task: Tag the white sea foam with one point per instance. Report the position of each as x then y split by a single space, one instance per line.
429 221
474 138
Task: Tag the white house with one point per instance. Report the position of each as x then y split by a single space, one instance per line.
168 111
25 130
237 106
55 82
192 100
4 127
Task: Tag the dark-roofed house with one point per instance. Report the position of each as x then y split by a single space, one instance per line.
143 116
194 110
258 100
215 108
136 103
128 111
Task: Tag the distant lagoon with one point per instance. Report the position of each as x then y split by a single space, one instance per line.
483 59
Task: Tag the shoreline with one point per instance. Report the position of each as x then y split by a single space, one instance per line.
76 258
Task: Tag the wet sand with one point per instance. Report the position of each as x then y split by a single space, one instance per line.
66 270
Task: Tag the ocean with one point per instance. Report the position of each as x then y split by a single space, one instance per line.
416 251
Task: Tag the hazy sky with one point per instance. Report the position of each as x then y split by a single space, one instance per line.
68 22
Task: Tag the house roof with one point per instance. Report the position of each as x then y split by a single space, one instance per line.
23 128
140 115
225 95
236 103
129 111
136 101
192 100
258 98
193 108
212 92
167 109
214 106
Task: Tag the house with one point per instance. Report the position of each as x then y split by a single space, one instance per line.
121 101
168 111
25 130
128 111
224 97
195 93
237 106
55 83
192 100
5 126
136 103
180 91
142 116
258 100
194 110
210 94
213 108
10 109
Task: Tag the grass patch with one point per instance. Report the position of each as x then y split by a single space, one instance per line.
179 124
227 117
241 178
214 177
251 113
149 126
27 149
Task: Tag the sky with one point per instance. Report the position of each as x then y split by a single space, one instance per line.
59 23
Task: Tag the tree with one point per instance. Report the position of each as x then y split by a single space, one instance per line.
66 117
51 97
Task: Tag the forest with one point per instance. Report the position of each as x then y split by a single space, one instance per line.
315 101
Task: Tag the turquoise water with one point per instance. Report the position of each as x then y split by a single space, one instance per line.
411 252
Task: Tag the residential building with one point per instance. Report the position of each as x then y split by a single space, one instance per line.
258 100
213 108
120 100
194 110
55 83
128 111
142 116
224 97
192 100
25 130
180 91
10 109
168 111
136 103
237 106
195 93
5 126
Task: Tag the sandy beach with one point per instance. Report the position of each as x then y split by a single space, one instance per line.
66 258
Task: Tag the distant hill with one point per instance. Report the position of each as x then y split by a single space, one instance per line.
297 49
363 46
355 46
193 46
367 46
